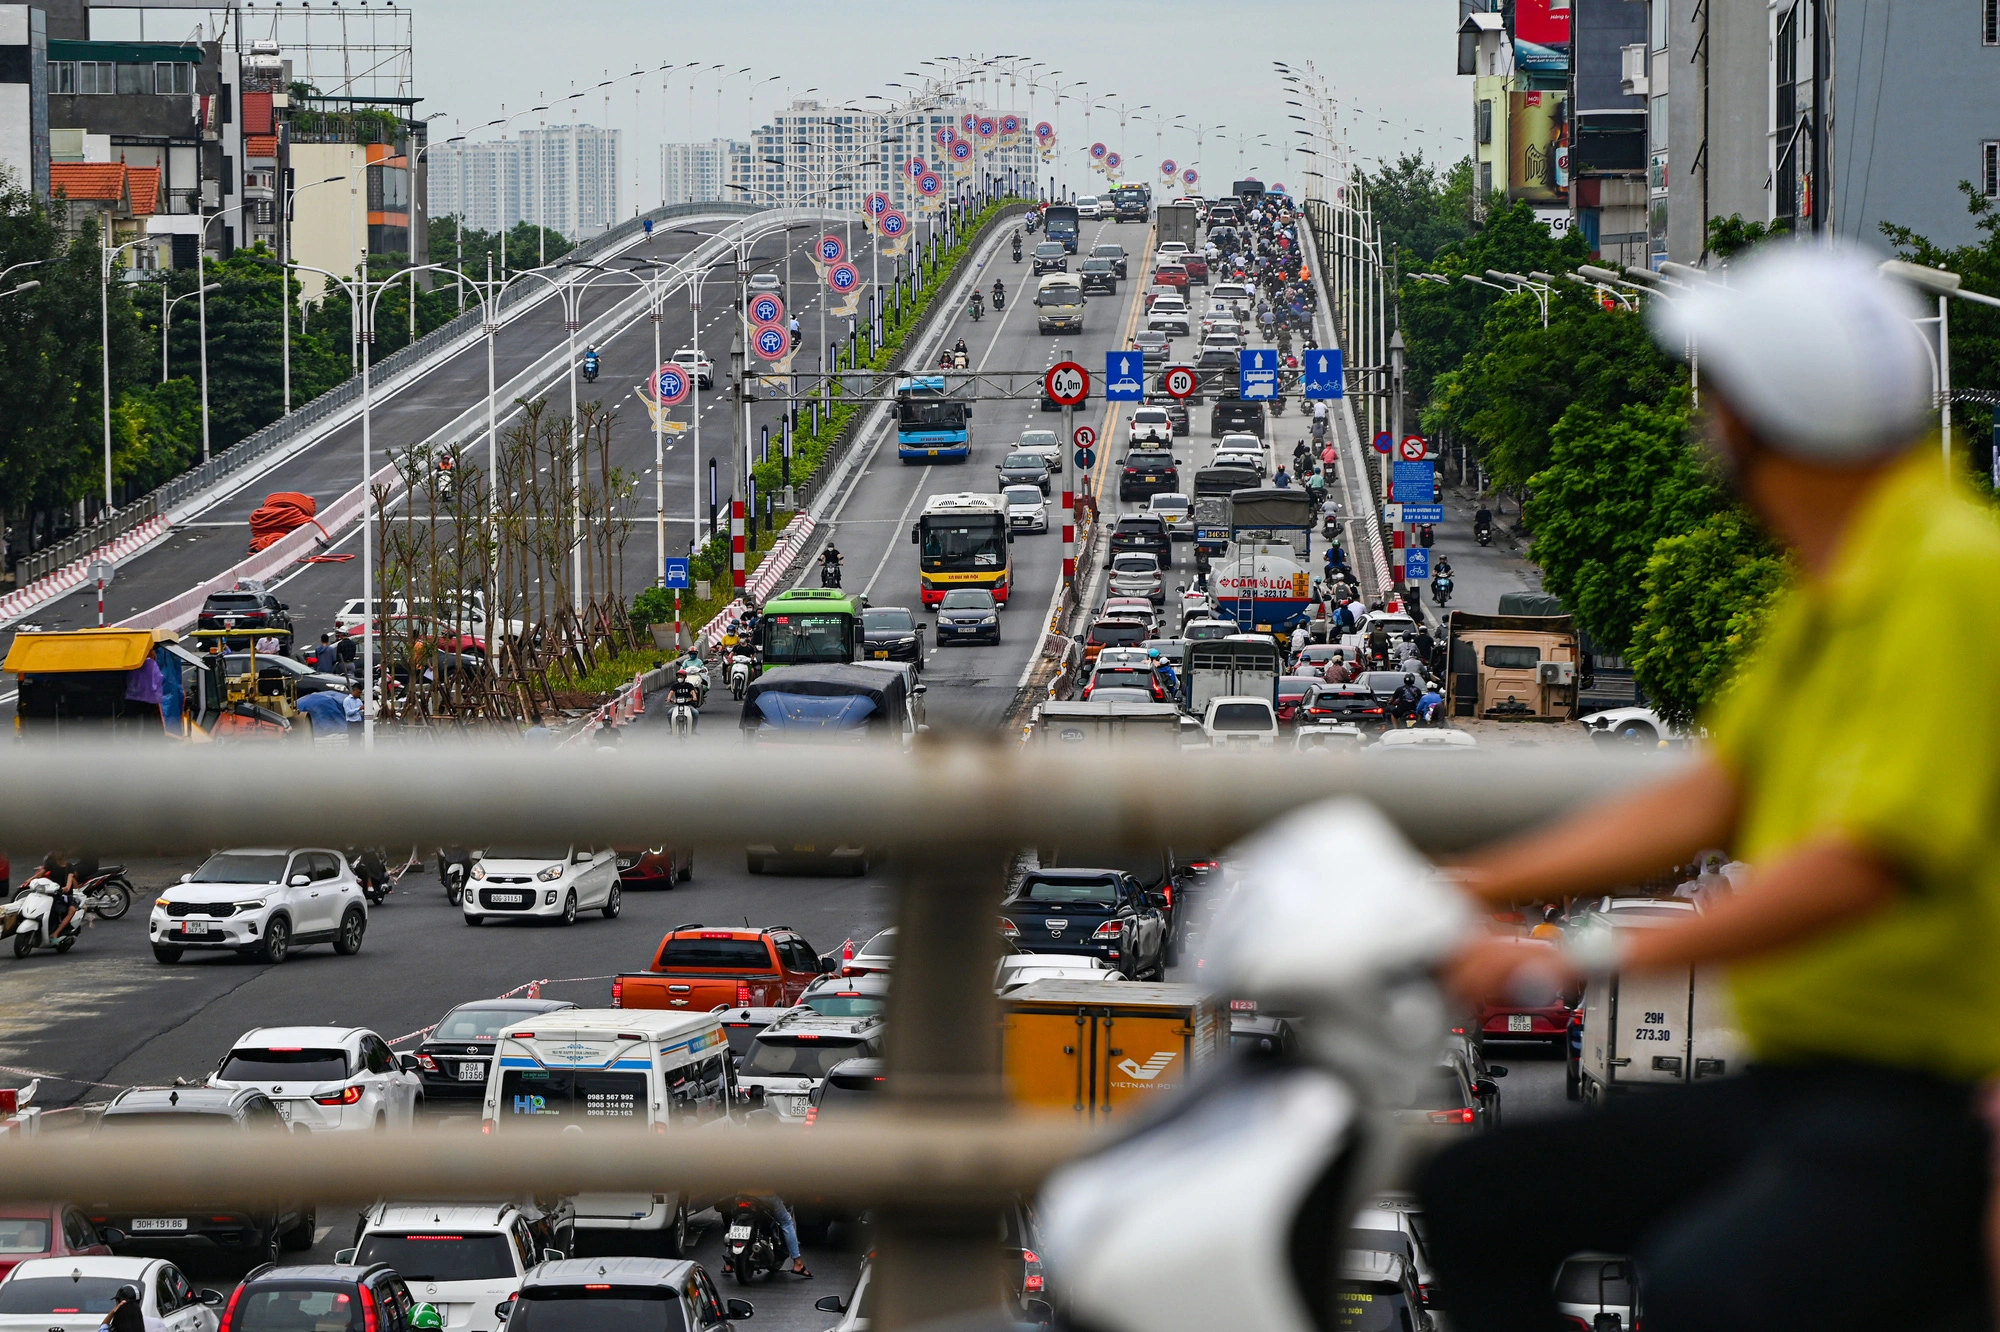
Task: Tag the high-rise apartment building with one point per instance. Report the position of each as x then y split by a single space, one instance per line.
817 154
701 172
563 177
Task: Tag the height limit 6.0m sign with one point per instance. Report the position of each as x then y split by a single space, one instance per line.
1068 383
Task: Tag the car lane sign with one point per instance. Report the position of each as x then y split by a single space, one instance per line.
1323 376
1085 437
766 309
677 573
1067 383
1413 448
1124 376
1384 441
1258 373
1180 382
672 383
1085 460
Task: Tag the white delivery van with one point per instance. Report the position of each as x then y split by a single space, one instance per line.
1657 1029
614 1070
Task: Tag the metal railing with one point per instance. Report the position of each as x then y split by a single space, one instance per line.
945 1151
345 396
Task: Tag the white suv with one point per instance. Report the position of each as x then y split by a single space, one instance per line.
543 882
261 901
462 1259
792 1056
325 1078
1152 423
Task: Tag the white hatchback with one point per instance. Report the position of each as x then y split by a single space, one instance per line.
544 883
263 902
1027 508
75 1294
326 1079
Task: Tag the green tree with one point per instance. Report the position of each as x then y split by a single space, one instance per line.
1615 484
1421 209
1510 390
1708 593
1732 235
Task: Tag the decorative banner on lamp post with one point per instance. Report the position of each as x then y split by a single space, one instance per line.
771 342
1190 176
914 167
930 184
945 134
1168 167
961 151
1112 161
1097 152
831 248
672 383
969 122
766 308
842 277
895 230
1044 132
987 127
875 204
1010 128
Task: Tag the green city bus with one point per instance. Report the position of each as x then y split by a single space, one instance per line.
809 626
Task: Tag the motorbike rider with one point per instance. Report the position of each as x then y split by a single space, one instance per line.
1442 567
1283 480
786 1227
999 293
1017 247
793 326
62 872
684 690
978 304
830 565
1430 707
371 867
1482 521
590 361
1165 670
1403 703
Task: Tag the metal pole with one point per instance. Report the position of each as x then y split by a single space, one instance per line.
1069 498
694 317
1944 371
285 280
372 619
573 308
740 357
660 452
104 358
201 304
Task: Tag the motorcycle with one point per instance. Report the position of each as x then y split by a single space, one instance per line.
742 670
31 917
697 670
590 369
682 719
829 574
961 361
454 867
1017 249
754 1243
999 301
1426 536
1441 589
978 309
371 867
1483 534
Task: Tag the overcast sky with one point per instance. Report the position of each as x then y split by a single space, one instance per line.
1386 60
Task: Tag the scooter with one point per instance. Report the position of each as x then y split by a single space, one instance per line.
1483 535
35 906
1426 535
697 672
978 310
999 301
742 670
1017 249
590 369
682 720
1441 589
454 867
371 867
754 1243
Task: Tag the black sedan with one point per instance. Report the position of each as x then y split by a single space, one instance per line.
891 633
1101 913
1350 704
273 668
1051 257
1024 469
454 1057
967 615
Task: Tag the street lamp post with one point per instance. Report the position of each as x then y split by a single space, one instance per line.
167 320
1946 286
284 257
104 358
201 304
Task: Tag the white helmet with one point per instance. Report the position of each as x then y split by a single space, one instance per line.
1812 348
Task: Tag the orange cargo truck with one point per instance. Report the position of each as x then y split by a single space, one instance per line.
1101 1048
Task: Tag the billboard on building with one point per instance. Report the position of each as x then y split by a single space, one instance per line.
1538 147
1541 36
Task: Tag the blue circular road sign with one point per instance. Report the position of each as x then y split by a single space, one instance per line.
1086 459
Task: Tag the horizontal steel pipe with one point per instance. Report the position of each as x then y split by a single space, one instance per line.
885 1159
145 797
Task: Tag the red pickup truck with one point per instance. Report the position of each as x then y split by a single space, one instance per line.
699 969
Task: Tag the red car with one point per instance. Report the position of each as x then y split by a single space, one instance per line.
1171 275
1292 692
1544 1018
1197 268
661 867
46 1230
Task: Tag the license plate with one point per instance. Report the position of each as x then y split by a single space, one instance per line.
284 1110
796 847
739 1232
801 1104
159 1223
510 898
472 1072
881 656
1520 1022
194 927
1150 478
933 453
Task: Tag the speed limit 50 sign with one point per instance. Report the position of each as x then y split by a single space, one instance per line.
1180 381
1067 383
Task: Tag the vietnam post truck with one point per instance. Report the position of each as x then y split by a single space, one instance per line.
1101 1049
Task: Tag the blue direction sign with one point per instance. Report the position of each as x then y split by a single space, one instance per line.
1085 459
1258 370
1124 376
1416 564
1415 482
1322 375
1423 513
678 573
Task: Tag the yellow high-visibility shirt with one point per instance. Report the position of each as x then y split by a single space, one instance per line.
1869 712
